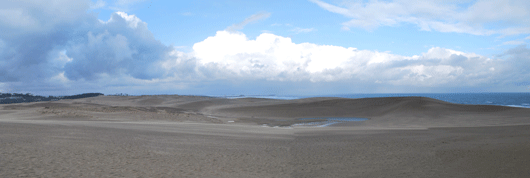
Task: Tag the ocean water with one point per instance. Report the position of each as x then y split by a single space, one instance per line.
502 99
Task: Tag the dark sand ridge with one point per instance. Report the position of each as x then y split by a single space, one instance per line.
189 136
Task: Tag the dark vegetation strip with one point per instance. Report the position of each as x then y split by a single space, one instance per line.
8 98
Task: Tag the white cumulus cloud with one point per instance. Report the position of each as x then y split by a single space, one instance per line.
272 57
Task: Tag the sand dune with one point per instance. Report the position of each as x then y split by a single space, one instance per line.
400 112
193 136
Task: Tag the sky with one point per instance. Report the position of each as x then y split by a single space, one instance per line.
236 47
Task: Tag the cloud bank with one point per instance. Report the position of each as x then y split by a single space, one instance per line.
277 58
51 43
62 49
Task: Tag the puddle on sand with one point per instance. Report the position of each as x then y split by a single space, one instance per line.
328 121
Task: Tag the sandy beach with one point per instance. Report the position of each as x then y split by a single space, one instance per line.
195 136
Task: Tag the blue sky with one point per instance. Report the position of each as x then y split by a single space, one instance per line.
299 47
184 23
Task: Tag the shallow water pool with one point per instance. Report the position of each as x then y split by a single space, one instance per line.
344 119
328 121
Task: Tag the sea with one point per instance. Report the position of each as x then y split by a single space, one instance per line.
502 99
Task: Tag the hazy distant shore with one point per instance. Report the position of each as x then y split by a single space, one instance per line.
195 136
